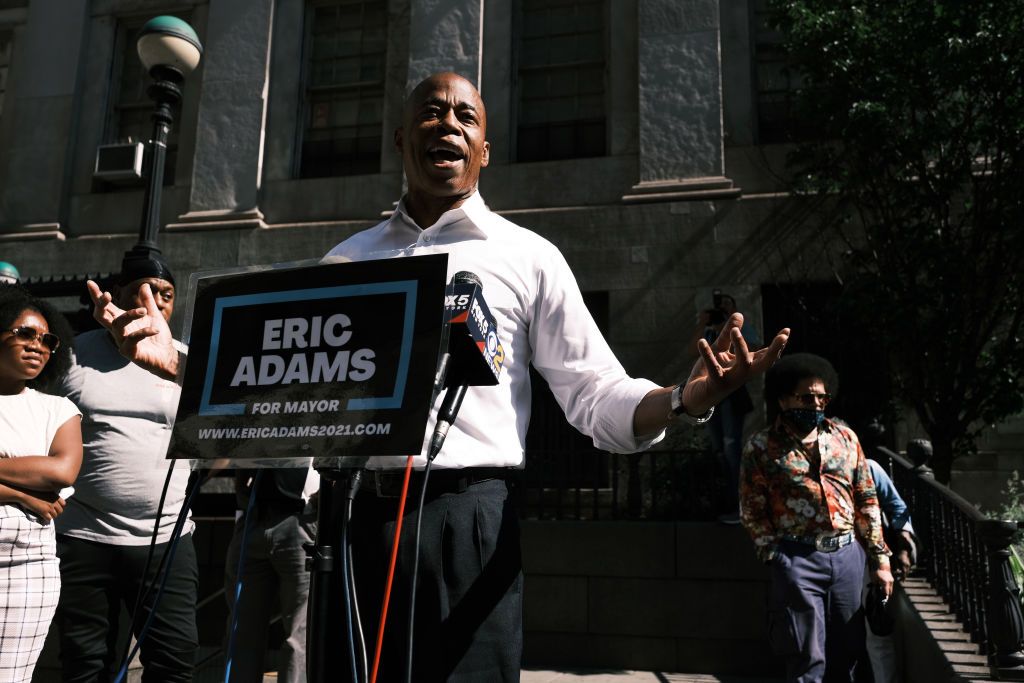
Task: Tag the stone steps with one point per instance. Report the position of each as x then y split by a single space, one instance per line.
965 660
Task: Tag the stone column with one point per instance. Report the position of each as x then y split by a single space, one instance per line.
445 35
680 86
40 118
228 163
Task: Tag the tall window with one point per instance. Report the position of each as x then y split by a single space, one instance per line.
6 47
777 81
130 118
556 453
346 54
561 80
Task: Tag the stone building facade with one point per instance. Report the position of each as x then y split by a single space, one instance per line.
625 131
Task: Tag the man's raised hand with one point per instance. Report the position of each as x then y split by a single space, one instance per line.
141 334
727 365
103 308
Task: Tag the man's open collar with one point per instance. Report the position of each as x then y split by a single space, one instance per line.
473 215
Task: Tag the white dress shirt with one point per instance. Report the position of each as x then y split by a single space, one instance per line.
541 320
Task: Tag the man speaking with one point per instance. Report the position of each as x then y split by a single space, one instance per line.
468 605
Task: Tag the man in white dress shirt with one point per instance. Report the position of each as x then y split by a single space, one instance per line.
468 607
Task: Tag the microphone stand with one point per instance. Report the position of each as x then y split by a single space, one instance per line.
325 558
336 486
323 590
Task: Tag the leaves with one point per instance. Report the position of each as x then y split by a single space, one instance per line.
920 107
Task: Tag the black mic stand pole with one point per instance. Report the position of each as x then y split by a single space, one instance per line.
321 629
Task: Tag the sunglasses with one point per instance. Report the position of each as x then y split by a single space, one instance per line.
30 334
812 399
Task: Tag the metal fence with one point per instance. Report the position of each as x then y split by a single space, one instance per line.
966 558
965 555
682 484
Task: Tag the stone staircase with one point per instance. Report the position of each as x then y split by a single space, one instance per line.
950 654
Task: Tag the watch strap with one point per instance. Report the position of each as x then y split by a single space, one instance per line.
679 410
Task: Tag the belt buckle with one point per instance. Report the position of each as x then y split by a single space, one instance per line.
827 544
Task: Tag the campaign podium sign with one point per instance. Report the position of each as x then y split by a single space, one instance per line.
329 361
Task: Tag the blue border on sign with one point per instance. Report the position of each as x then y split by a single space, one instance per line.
407 287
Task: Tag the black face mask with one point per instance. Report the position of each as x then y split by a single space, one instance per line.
803 419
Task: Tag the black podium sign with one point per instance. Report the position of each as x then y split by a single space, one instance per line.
329 360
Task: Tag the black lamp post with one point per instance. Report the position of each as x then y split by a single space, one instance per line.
170 50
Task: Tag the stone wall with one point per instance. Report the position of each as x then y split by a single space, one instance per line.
657 596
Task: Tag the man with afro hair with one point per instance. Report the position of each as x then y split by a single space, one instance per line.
809 503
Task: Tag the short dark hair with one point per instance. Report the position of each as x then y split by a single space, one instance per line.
782 378
15 300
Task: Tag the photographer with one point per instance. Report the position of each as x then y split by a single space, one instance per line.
725 428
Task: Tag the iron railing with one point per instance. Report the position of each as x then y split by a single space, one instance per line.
965 555
966 558
682 484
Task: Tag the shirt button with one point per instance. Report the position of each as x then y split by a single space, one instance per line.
427 238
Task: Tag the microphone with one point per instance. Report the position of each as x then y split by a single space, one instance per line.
476 354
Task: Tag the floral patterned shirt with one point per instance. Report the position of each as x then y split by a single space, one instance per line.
788 488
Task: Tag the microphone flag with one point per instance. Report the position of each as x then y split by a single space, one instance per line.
477 353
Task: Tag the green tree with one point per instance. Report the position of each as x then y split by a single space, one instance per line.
918 151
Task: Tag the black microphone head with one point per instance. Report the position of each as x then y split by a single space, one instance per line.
465 277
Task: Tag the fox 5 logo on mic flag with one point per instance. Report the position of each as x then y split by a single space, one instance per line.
473 334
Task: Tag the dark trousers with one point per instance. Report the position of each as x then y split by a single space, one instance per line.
468 624
815 618
97 579
274 578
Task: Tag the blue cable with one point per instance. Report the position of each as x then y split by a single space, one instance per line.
171 549
238 582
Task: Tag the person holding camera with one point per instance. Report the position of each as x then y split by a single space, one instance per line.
725 428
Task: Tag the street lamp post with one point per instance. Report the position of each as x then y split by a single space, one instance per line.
170 50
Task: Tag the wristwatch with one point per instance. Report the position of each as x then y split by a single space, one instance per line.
679 410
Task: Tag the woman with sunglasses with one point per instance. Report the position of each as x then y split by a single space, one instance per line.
40 453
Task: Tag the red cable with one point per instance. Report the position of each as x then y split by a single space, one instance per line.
391 570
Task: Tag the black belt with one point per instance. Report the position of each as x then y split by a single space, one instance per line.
826 542
388 483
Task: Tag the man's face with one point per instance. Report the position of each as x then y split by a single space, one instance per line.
128 296
809 393
442 138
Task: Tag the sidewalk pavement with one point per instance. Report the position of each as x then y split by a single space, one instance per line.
613 676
